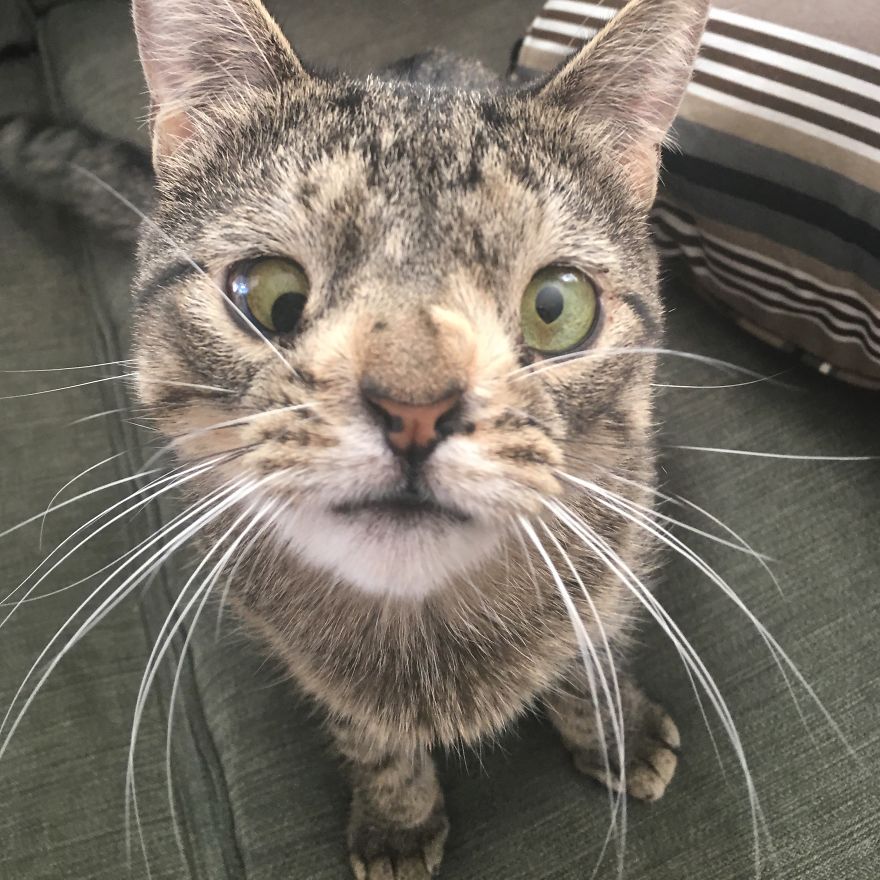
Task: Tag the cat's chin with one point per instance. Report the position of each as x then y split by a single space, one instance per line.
385 552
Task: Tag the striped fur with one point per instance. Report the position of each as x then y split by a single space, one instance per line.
77 168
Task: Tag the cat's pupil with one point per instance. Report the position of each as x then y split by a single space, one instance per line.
286 311
549 303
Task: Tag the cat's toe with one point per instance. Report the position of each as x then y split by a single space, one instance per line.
647 777
659 726
379 868
651 758
415 866
378 853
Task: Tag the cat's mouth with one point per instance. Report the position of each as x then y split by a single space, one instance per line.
404 504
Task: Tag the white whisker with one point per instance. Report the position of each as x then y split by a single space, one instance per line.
168 483
732 384
686 668
205 590
677 545
157 653
590 353
240 420
591 667
127 363
739 544
780 455
68 387
119 559
150 573
108 604
689 657
131 802
53 508
198 386
680 501
617 721
234 570
568 517
527 557
98 415
70 482
776 651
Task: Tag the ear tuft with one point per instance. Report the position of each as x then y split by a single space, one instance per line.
629 80
198 53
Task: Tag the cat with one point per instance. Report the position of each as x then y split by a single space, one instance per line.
400 333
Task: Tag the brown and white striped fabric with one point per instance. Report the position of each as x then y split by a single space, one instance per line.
772 193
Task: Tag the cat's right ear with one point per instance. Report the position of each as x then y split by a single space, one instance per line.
627 83
200 54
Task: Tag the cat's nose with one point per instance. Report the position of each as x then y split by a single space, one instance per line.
416 427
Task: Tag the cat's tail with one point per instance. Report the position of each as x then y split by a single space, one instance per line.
79 169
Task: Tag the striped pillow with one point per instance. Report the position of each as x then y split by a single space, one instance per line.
771 195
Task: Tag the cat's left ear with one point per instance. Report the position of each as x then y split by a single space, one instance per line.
200 54
627 83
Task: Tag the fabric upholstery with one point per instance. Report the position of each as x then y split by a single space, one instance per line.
77 734
257 792
15 31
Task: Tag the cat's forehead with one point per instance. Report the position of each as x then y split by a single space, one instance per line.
400 141
409 146
358 178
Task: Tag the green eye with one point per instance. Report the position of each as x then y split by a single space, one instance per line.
559 309
271 291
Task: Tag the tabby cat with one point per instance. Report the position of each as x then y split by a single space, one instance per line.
401 333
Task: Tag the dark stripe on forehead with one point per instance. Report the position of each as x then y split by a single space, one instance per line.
644 310
175 272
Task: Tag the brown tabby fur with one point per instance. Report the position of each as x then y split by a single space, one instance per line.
420 202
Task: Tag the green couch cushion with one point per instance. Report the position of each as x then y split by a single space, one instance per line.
258 794
16 30
61 780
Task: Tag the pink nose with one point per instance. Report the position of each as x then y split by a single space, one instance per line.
407 425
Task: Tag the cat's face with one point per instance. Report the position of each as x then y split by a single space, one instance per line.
394 314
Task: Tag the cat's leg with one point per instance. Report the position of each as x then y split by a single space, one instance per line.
651 739
398 826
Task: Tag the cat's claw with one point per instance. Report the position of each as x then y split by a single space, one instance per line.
378 853
651 758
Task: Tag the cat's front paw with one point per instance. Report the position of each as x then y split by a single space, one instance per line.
651 756
382 852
